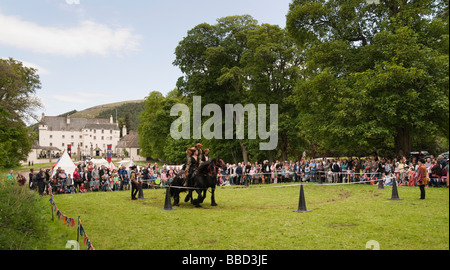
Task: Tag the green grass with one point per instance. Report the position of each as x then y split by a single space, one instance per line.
342 218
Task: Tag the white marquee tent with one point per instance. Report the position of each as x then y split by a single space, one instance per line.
66 163
127 163
100 162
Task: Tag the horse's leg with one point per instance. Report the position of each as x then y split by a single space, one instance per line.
196 202
202 196
189 196
213 197
176 198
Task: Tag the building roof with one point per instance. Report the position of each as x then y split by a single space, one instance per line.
56 123
129 141
44 148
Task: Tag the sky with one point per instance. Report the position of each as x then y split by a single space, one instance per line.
93 52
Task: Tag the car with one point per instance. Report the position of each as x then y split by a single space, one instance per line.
419 154
444 155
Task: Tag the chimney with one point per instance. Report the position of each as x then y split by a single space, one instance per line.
111 120
68 119
124 130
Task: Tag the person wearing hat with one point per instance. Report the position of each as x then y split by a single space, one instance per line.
199 155
205 156
422 178
134 183
191 164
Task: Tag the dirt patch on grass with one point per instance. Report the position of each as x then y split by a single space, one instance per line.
338 225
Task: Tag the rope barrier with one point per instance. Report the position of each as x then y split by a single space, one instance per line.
326 184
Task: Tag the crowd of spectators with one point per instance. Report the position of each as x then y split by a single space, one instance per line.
336 170
89 177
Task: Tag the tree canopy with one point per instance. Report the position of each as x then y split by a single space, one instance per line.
18 85
349 77
376 75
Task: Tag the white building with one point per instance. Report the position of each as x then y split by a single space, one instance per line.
87 136
128 146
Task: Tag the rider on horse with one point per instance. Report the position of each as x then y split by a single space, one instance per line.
194 158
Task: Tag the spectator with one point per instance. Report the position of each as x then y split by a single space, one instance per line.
21 179
69 181
77 179
11 177
40 179
411 177
82 188
422 178
30 178
238 174
312 167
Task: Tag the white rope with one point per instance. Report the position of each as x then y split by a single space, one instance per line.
327 184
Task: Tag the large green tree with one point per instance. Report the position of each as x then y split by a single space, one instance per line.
18 85
238 61
210 57
271 69
376 74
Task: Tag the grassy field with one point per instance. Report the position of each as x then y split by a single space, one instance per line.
255 218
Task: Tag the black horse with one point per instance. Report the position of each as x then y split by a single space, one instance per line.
205 177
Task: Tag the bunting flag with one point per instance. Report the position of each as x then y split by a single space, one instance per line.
71 222
86 240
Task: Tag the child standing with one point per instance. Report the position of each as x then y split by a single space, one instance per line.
82 189
411 175
330 175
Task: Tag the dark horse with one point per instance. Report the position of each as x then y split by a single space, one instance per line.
205 177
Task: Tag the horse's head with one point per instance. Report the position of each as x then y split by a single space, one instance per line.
216 164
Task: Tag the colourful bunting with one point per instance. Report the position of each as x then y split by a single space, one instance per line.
70 222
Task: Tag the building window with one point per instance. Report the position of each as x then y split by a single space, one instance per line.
72 137
95 137
110 132
51 144
103 138
63 136
51 136
62 144
81 136
103 131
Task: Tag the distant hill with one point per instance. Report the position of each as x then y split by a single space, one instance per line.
127 112
96 111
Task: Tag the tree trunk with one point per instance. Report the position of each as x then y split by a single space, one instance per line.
403 143
234 157
284 146
244 152
243 149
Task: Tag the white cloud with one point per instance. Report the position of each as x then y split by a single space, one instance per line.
88 37
40 69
